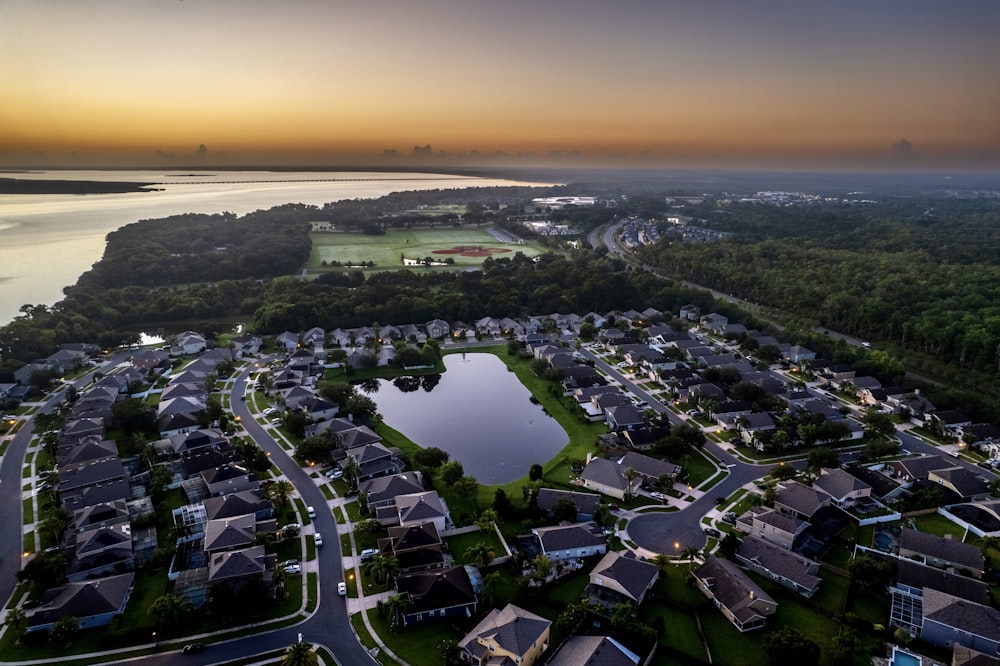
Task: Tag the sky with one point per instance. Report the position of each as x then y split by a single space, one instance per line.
742 83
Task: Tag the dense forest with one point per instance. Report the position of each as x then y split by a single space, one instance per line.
920 276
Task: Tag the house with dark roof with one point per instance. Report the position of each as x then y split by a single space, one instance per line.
594 651
788 569
844 489
912 578
374 460
383 491
571 541
437 595
948 620
237 567
620 578
798 500
741 600
908 470
510 635
605 477
228 478
100 550
942 552
233 533
415 547
649 469
585 503
968 485
94 603
421 508
76 477
623 417
768 524
91 495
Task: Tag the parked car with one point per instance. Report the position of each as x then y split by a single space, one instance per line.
318 539
288 563
368 553
729 517
342 588
720 500
335 473
658 495
293 569
712 532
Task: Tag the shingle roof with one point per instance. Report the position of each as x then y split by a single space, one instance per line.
916 575
962 614
593 651
603 472
635 576
781 561
732 588
441 588
941 548
566 537
513 629
83 599
839 484
584 502
801 498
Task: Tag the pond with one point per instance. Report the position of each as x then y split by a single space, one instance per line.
478 412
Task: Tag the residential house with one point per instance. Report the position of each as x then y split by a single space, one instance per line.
383 491
374 460
909 470
594 651
843 488
620 578
788 569
942 552
962 482
437 329
605 477
510 635
741 601
645 439
798 500
246 345
949 620
650 469
423 507
913 578
714 322
100 550
94 603
318 409
416 547
623 417
437 595
238 567
768 524
287 340
74 478
798 354
228 478
690 312
234 533
571 541
585 503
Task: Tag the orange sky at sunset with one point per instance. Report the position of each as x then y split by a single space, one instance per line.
770 83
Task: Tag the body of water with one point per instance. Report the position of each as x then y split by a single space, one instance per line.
48 240
479 413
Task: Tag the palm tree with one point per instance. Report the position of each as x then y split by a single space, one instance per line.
662 561
690 553
278 577
543 567
17 619
300 654
629 475
279 492
480 552
492 583
486 519
396 606
382 568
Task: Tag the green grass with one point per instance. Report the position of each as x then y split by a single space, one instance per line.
681 628
385 249
699 468
935 523
366 638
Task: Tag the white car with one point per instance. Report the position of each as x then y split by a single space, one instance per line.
311 512
318 539
335 473
659 496
342 588
293 569
368 553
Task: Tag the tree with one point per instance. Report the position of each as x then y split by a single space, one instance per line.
431 457
564 510
451 472
821 457
783 472
279 492
17 619
486 519
543 567
878 422
535 472
502 504
728 546
170 611
278 578
467 486
480 552
788 646
493 584
64 630
382 568
868 573
690 553
622 616
300 654
396 606
630 475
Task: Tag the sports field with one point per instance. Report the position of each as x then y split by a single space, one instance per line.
467 247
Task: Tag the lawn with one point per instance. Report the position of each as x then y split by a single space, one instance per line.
699 468
419 645
680 628
387 249
461 543
935 523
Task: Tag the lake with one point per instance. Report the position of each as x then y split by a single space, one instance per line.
479 413
48 240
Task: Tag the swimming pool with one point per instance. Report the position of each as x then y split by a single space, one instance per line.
904 659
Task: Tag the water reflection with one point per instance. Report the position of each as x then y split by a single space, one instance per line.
476 411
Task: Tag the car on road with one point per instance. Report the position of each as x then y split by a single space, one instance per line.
293 569
311 512
342 588
318 539
866 344
712 532
658 495
720 500
191 648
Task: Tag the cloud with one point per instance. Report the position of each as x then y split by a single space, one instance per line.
902 149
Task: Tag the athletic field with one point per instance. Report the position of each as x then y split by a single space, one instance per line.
467 247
